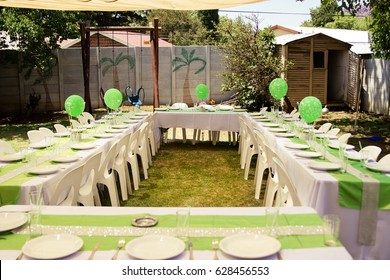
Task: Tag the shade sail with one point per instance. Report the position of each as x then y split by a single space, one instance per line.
124 5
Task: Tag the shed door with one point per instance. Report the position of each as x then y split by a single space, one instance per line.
337 76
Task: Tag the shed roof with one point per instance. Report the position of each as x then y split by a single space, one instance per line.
286 39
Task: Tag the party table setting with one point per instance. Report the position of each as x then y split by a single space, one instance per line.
331 177
103 233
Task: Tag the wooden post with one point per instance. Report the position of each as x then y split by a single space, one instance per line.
155 63
85 53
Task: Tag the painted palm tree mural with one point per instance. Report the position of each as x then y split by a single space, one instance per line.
185 60
109 63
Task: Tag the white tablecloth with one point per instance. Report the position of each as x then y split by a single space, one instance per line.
320 191
334 253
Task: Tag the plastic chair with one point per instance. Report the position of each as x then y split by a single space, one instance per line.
262 162
36 136
61 129
142 148
88 118
132 159
385 159
272 180
88 192
325 127
67 189
286 194
151 136
242 145
47 132
120 166
106 174
373 152
180 106
251 146
333 131
6 148
75 124
296 116
344 138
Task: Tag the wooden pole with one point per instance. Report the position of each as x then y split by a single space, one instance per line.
86 53
155 63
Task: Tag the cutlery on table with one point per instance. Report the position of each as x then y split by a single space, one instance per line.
215 244
121 244
95 247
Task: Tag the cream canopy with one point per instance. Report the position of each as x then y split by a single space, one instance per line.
124 5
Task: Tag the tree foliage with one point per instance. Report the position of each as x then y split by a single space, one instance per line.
251 61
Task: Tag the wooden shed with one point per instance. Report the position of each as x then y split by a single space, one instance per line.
320 67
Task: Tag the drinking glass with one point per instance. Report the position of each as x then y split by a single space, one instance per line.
182 223
272 220
35 227
364 155
331 228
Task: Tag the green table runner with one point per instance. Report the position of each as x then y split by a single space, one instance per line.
16 241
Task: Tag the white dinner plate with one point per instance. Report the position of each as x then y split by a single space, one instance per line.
104 135
11 157
353 156
10 221
65 159
256 114
259 117
277 129
119 126
100 121
307 154
137 117
113 130
336 146
53 246
326 136
284 134
39 145
249 246
296 146
44 169
61 134
155 247
141 114
83 146
130 121
263 120
173 108
322 165
379 167
160 109
239 110
270 124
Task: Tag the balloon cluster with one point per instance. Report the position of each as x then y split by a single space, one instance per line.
202 91
278 88
310 109
74 105
113 98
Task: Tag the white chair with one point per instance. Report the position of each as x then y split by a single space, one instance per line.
251 146
106 174
61 129
150 135
67 190
373 152
75 124
293 112
142 148
385 159
88 192
286 194
47 132
88 118
6 148
344 138
263 163
325 127
184 133
36 136
272 180
296 116
120 166
132 159
242 149
333 131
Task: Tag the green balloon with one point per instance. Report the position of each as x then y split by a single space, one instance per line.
74 105
113 98
310 109
202 91
278 88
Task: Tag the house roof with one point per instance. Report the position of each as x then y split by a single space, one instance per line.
129 39
286 39
359 40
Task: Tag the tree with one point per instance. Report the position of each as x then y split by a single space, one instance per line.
186 60
380 29
209 19
322 15
251 61
36 34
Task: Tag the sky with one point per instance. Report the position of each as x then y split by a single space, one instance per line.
281 12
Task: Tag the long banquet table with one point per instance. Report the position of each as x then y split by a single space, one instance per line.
109 224
16 182
326 193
